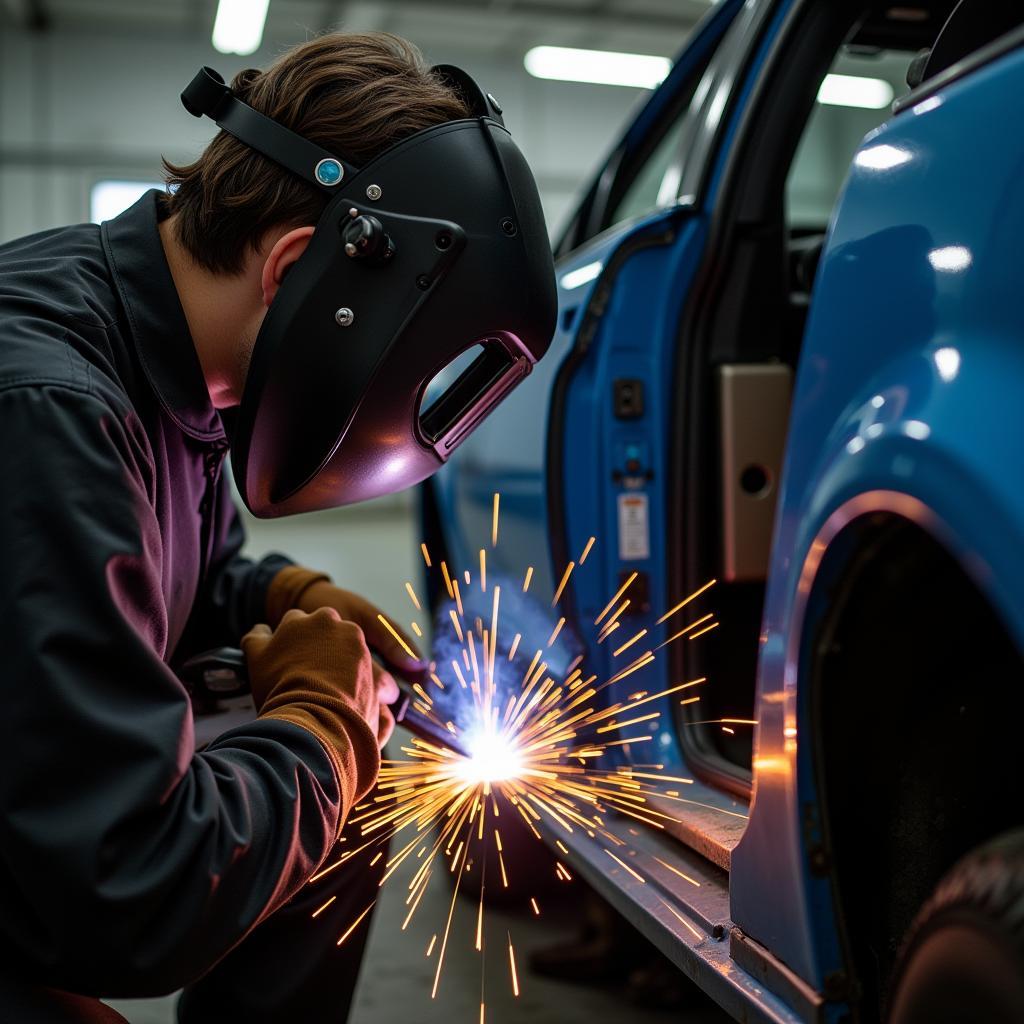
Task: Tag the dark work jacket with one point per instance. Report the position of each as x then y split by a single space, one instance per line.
129 863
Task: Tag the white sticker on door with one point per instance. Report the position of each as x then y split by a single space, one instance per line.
634 528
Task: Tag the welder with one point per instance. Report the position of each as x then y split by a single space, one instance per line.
359 222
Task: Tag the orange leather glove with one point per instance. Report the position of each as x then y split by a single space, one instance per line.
296 587
316 672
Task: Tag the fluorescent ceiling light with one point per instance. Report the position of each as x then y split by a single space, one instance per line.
109 198
855 91
238 27
599 67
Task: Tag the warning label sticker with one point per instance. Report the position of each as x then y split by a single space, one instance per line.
634 527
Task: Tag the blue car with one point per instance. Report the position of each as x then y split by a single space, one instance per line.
790 359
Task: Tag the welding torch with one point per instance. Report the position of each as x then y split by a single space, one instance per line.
221 674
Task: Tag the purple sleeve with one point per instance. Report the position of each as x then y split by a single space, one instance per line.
111 824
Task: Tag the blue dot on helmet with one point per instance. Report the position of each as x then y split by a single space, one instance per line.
328 172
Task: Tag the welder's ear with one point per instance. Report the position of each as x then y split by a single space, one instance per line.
287 249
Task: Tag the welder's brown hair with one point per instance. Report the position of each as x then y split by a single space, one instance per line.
354 95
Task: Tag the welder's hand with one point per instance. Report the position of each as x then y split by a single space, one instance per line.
316 672
296 587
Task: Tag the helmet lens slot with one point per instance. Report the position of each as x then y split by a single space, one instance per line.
442 381
497 367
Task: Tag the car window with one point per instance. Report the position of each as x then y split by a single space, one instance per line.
855 97
653 185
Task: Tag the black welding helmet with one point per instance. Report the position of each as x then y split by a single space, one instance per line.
437 247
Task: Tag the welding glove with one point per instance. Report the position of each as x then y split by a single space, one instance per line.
296 587
315 671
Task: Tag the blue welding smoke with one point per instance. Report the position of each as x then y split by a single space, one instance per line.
518 613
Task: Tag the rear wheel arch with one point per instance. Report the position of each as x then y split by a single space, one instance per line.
911 675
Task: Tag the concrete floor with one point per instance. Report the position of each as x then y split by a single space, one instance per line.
396 979
373 549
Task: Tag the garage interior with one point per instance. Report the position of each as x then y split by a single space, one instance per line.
78 144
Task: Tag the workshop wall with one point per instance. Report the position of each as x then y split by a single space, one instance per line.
79 105
83 106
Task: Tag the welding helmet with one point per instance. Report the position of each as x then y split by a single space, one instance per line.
435 248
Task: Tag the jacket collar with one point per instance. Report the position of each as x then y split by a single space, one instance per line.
157 321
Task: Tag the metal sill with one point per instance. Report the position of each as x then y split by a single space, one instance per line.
689 924
707 831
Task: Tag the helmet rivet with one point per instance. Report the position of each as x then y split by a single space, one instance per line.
344 317
329 171
374 192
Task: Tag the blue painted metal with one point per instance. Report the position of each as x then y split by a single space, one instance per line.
636 339
907 400
487 462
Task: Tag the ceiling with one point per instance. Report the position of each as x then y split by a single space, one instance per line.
652 26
